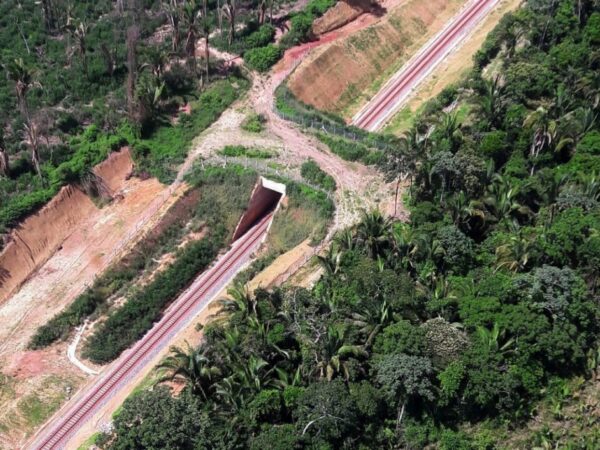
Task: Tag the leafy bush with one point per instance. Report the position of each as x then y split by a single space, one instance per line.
241 151
262 58
314 174
160 153
254 123
260 38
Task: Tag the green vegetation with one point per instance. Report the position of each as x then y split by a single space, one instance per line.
166 148
312 173
350 150
118 278
225 193
254 123
239 151
290 108
37 407
449 331
307 216
130 322
83 80
261 59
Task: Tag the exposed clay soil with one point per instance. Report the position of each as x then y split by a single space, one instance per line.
341 14
339 77
93 239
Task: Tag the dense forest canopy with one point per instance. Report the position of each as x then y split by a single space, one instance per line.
445 330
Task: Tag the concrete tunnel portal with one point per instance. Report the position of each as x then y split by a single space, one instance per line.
265 198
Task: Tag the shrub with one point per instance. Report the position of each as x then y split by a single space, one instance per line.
241 151
262 58
254 123
260 38
314 174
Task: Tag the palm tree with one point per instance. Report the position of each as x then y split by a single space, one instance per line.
240 302
515 254
373 233
502 201
333 354
206 31
191 366
22 76
345 240
495 339
489 100
331 260
149 94
547 134
370 322
79 33
191 15
256 374
172 9
462 209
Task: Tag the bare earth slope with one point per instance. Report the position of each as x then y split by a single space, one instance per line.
341 76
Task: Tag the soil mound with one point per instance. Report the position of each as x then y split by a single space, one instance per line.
336 77
40 236
115 169
341 14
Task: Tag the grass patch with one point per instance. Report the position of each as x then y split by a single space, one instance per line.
306 216
37 407
239 151
312 173
120 276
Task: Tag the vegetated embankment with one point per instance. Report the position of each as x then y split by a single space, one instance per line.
41 234
339 77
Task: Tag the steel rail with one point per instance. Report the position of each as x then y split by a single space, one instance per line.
88 404
388 95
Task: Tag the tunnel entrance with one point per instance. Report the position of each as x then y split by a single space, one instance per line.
265 198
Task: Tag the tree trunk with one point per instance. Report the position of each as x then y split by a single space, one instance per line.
206 37
206 56
132 37
4 164
396 197
400 416
108 60
262 12
49 22
220 16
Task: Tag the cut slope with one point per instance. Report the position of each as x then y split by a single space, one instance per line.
339 77
41 235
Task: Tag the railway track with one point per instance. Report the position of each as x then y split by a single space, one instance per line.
64 424
387 101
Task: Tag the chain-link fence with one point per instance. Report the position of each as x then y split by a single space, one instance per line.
325 125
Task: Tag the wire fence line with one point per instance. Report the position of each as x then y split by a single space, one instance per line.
328 126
